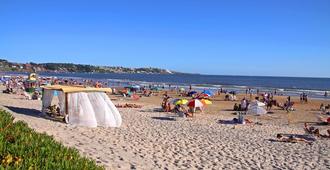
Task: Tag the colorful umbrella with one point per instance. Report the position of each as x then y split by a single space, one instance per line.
207 92
203 95
181 102
206 102
195 103
192 93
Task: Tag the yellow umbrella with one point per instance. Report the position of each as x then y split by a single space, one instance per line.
206 102
181 102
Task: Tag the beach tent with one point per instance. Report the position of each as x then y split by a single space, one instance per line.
257 103
256 108
82 106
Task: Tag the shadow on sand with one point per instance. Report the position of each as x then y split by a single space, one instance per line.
32 112
164 118
25 111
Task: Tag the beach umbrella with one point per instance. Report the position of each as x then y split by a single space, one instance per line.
179 101
256 110
203 95
195 103
206 102
182 89
192 93
207 92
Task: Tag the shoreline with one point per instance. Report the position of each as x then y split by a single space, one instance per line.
312 93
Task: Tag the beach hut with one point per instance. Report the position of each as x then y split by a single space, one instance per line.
82 106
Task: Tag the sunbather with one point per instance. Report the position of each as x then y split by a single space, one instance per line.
327 135
291 139
316 131
312 130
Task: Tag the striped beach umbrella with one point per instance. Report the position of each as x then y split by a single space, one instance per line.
195 103
206 102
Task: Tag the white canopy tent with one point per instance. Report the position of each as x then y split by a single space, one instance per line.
89 107
256 108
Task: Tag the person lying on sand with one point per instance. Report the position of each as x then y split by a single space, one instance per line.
311 130
291 139
316 131
127 105
324 121
326 136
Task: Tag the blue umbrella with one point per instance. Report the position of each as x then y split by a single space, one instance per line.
192 93
208 92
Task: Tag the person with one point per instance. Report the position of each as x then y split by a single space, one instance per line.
315 131
326 136
236 107
291 139
182 112
165 103
306 98
289 99
312 130
269 104
168 107
243 104
326 94
322 108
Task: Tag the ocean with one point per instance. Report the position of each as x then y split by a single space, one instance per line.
314 87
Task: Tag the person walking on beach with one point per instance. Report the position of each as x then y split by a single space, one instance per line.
326 94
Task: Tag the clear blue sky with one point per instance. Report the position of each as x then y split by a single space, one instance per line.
232 37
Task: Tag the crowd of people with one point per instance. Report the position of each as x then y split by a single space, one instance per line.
32 89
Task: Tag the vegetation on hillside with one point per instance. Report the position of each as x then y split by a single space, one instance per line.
78 68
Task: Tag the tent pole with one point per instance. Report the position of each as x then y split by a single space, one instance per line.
66 104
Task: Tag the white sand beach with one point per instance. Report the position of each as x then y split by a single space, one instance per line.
149 139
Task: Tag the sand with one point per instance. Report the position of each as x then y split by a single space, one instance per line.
149 139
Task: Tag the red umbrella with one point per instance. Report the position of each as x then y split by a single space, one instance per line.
195 103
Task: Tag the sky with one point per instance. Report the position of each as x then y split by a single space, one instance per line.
236 37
